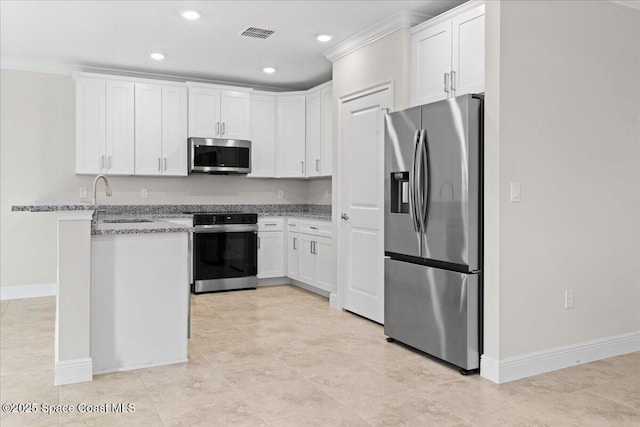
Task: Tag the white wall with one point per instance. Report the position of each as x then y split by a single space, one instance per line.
564 121
385 60
37 155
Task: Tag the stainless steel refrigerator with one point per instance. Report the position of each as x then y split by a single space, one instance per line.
433 229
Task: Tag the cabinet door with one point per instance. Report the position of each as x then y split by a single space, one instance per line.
263 136
293 248
307 262
148 150
234 115
431 61
270 254
290 136
204 112
90 125
324 258
468 51
326 145
174 130
120 130
314 133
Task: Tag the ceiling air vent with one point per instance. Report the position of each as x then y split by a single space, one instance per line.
256 33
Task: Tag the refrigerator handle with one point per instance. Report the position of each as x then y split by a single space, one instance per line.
420 196
413 211
425 192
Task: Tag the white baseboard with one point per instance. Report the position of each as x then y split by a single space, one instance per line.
526 365
334 302
28 291
149 365
274 281
73 371
312 289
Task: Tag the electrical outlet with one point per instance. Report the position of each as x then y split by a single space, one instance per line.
83 192
144 193
515 192
280 194
568 298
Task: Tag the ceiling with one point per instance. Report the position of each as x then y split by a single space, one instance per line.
120 35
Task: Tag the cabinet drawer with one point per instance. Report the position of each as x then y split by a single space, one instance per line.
271 224
317 228
292 225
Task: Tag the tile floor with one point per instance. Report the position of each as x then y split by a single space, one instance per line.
279 356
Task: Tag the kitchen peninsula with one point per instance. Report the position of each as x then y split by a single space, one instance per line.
123 282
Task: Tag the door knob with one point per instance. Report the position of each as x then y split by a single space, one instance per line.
344 216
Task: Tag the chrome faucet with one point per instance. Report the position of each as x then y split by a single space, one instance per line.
107 191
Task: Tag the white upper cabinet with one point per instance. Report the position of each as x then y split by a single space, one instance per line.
216 113
263 136
290 133
104 126
314 134
447 55
160 130
319 132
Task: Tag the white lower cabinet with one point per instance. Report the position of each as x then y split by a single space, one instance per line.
293 250
270 247
315 266
324 260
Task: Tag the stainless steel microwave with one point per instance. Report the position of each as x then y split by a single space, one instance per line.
219 156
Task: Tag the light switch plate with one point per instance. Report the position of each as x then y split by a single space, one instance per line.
515 192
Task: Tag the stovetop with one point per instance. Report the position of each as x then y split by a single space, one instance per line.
208 218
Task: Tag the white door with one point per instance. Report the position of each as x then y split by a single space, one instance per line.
324 259
174 130
290 136
90 125
120 128
263 136
293 247
361 278
468 52
326 148
148 150
431 54
234 115
307 264
204 112
314 133
270 254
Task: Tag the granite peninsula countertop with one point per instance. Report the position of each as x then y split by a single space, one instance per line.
139 219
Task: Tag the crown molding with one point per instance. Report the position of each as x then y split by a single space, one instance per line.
634 4
400 20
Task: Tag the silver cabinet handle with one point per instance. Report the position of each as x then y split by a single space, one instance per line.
159 164
311 247
109 162
101 162
165 163
446 82
317 165
270 224
258 242
302 167
217 128
313 228
223 126
344 216
453 81
295 248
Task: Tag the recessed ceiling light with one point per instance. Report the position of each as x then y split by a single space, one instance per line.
269 70
323 37
157 56
191 15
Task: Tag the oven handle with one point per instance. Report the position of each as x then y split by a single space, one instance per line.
236 228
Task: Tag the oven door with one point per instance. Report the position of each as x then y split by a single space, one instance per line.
225 257
224 156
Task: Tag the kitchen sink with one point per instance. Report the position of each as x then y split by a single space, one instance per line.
125 221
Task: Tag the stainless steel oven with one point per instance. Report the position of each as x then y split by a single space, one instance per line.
225 251
219 156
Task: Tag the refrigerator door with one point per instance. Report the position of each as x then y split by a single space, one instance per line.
452 180
401 229
433 310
